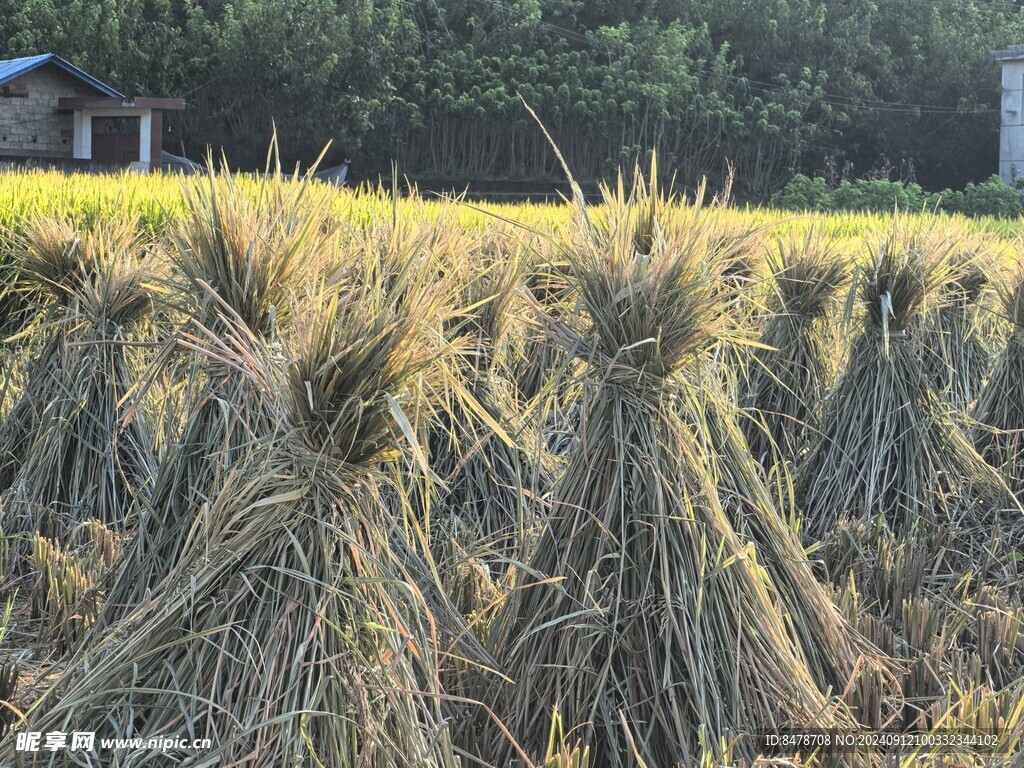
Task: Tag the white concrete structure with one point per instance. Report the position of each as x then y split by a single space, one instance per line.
83 130
1011 129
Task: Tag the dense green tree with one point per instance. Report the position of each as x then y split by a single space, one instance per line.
769 88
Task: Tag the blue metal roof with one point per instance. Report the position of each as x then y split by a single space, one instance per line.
12 68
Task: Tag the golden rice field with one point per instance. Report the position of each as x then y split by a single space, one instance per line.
300 476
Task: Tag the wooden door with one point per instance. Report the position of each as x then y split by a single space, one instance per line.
115 139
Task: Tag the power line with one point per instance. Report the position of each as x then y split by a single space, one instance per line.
869 104
995 6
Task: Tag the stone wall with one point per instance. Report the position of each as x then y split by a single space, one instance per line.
29 123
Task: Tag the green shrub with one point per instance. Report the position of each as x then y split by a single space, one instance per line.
875 195
993 198
802 194
989 198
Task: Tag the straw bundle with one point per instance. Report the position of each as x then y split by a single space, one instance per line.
833 650
491 485
999 412
533 360
663 635
85 459
789 373
955 357
53 256
289 632
742 254
886 446
237 255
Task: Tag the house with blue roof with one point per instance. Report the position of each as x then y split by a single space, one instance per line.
51 109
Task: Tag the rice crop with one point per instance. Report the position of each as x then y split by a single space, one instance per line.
654 583
792 366
334 477
886 446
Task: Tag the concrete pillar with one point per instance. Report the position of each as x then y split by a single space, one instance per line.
146 137
1011 130
157 141
82 142
87 134
1011 113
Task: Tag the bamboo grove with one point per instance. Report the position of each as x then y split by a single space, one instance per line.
305 476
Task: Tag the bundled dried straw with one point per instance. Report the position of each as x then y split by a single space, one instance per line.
834 651
955 356
82 457
536 368
789 372
659 634
491 471
887 447
52 258
289 632
533 362
237 253
999 412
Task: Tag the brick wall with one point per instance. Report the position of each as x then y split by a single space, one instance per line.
29 123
